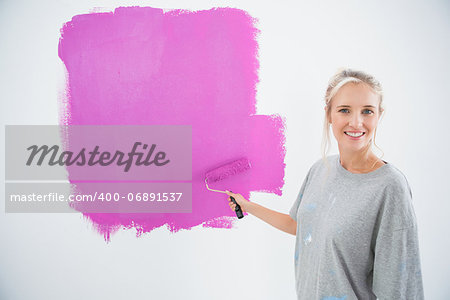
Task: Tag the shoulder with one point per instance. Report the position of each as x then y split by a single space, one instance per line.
395 181
316 169
323 163
397 203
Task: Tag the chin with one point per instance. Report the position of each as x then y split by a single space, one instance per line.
355 148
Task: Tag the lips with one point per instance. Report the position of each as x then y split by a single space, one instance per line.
354 134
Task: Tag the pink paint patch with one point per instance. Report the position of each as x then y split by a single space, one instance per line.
141 66
221 222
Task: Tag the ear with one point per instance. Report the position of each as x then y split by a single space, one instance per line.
381 114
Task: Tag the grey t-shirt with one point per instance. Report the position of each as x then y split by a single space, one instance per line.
356 235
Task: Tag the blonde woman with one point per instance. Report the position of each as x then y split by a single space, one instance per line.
355 227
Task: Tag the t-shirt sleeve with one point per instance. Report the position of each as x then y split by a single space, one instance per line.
397 269
294 208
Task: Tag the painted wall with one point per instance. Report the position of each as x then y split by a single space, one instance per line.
300 45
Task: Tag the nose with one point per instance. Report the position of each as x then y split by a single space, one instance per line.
355 121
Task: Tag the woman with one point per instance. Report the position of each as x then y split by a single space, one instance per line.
355 227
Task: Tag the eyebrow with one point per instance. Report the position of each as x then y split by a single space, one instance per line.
349 106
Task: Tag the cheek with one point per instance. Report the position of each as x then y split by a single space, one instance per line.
372 124
337 127
339 123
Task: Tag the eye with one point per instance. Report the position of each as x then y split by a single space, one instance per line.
367 112
344 110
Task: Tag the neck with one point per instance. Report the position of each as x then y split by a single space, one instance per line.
359 161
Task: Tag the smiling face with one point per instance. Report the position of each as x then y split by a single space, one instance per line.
354 115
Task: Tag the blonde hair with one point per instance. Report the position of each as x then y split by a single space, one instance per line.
341 78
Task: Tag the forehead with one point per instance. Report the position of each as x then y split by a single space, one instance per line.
356 94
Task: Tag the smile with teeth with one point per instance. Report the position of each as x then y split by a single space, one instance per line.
354 134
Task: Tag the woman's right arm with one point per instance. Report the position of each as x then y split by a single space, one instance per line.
278 220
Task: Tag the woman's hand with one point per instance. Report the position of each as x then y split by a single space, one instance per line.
278 220
243 203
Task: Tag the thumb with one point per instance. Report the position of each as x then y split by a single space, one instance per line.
229 193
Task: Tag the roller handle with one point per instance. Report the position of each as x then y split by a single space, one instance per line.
237 209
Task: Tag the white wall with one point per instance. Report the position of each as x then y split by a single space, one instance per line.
405 44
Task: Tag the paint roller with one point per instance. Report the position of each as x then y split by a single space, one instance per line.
225 171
